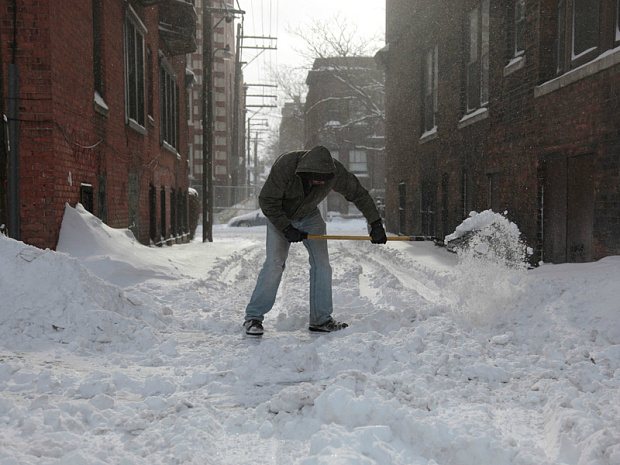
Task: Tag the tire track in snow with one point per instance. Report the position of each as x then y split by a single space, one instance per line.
236 267
390 272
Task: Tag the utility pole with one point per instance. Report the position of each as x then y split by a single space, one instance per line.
256 170
256 126
236 109
260 43
207 124
261 95
207 112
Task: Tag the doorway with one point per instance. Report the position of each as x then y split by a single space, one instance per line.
567 199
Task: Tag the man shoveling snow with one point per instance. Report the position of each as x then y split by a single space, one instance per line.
297 183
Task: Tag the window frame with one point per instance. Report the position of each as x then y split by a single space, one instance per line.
519 26
169 106
135 71
430 89
568 32
476 57
98 48
576 31
617 39
358 161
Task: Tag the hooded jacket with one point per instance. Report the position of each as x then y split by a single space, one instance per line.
282 198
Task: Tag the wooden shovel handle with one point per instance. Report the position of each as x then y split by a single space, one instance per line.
366 238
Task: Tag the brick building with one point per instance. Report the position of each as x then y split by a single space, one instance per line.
291 131
344 112
102 112
510 105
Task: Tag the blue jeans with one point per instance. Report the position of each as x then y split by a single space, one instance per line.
270 275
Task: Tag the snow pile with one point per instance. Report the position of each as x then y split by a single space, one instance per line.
50 297
86 237
158 372
491 237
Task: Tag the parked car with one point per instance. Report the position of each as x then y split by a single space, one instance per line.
255 218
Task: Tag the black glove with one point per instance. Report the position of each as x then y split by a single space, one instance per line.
293 234
377 233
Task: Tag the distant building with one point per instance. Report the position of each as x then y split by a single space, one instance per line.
226 165
292 126
344 112
102 112
509 105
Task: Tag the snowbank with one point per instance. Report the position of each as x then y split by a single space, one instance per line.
112 254
48 297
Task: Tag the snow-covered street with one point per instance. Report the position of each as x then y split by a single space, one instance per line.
116 353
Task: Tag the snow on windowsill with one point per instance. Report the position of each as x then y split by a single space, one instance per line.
332 124
585 52
100 105
170 149
604 61
471 118
429 135
515 64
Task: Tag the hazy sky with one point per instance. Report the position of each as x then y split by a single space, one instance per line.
274 17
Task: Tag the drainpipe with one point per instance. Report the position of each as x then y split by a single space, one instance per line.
13 107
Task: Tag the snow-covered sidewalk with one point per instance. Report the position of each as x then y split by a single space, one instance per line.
115 353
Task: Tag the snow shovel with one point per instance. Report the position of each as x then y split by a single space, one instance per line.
367 238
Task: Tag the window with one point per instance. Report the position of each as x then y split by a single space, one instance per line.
332 110
169 98
465 195
357 112
134 70
561 37
477 57
152 214
430 79
402 208
357 161
97 48
585 26
428 201
162 213
102 198
618 21
87 198
519 28
149 81
579 33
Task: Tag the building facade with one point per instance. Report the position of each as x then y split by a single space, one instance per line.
510 105
344 112
102 92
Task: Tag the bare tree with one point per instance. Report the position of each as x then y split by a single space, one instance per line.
291 82
338 52
334 38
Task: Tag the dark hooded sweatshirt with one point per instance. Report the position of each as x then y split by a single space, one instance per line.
282 198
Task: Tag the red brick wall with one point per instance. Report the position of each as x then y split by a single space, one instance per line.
64 142
32 56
